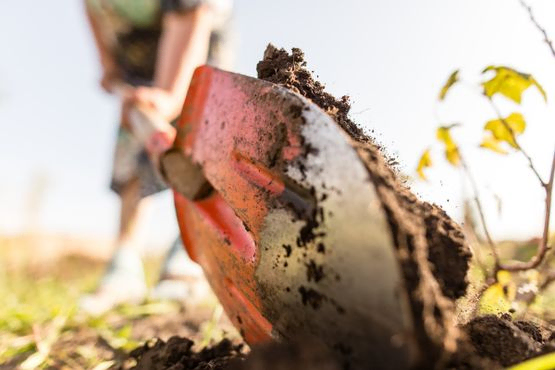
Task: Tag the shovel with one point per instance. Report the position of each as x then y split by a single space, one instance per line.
275 204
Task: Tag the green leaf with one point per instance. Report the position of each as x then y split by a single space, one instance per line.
443 134
507 129
509 83
453 79
125 332
424 162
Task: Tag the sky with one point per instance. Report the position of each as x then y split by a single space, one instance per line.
57 126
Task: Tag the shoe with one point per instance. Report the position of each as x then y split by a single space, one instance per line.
181 279
123 282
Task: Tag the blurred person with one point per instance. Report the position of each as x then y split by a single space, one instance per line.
153 46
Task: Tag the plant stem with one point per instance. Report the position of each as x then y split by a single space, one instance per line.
473 240
517 144
546 38
549 278
544 244
475 191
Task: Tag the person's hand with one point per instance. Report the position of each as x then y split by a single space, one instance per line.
161 101
155 108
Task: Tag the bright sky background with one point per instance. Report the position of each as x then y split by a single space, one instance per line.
390 56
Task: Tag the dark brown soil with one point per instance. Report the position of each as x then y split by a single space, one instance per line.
431 247
531 329
177 354
300 355
504 341
282 68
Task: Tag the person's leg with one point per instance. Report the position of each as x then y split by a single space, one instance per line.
181 279
123 280
132 206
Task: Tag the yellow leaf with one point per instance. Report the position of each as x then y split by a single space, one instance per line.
494 300
507 129
452 155
443 134
424 162
491 143
499 297
503 277
539 87
453 79
509 83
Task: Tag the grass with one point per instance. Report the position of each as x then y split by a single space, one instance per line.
42 328
39 310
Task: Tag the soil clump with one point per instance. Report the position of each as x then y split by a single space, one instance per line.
507 342
289 70
177 354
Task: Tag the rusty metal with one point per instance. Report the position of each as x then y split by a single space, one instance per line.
292 237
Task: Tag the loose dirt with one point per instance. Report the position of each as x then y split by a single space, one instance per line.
177 354
282 68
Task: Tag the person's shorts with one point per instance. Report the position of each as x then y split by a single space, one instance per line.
131 162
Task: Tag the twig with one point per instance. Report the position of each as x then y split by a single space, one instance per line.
476 194
517 144
546 38
470 233
544 244
549 278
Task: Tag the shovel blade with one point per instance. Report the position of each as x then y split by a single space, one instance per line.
292 237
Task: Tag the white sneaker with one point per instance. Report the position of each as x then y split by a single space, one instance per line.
123 282
181 279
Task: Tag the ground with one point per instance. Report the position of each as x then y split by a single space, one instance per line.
41 328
